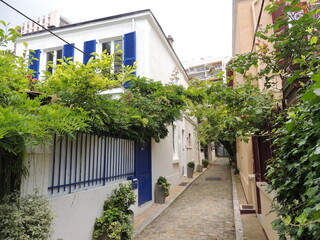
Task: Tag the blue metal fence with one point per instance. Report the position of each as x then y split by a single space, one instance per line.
89 161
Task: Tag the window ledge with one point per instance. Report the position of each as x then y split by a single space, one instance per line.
175 161
263 189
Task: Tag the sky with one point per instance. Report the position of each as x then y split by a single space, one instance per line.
200 28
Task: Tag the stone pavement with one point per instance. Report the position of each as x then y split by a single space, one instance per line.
203 211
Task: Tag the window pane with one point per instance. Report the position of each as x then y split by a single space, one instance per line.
59 55
118 55
49 61
106 46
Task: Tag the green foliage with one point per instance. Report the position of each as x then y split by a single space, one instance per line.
70 101
163 183
294 172
115 223
29 217
191 164
156 105
205 163
225 113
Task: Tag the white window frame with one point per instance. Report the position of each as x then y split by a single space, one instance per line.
112 46
54 60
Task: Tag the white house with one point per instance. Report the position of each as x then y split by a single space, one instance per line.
78 176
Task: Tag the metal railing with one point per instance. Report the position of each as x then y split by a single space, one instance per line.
89 161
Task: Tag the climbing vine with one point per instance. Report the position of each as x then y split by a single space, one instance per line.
75 98
226 113
289 49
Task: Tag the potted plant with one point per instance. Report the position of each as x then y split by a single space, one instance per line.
161 190
205 163
190 169
199 168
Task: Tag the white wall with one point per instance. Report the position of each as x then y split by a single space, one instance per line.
155 58
75 213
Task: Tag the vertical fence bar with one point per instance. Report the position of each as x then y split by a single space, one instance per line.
101 158
65 165
110 158
105 160
97 160
70 170
85 159
53 161
89 160
113 167
60 158
76 162
80 162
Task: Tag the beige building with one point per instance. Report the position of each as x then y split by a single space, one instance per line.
250 164
53 19
207 68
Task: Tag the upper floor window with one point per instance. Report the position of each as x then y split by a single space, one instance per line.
53 58
114 47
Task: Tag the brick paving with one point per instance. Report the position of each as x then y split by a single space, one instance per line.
204 211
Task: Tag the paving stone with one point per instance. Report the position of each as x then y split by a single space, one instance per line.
204 211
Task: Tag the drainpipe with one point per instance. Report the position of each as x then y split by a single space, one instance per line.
254 21
133 25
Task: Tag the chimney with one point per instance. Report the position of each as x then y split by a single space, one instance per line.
170 39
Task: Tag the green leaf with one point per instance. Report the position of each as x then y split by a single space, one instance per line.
314 40
317 91
302 218
287 220
312 191
317 151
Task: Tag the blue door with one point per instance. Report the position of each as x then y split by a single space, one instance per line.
143 172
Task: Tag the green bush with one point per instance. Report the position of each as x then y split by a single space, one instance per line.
116 223
205 162
163 183
29 217
191 164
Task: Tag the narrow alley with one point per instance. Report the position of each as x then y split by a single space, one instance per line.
203 211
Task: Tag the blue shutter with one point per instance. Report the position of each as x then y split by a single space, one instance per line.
89 47
68 51
129 48
35 62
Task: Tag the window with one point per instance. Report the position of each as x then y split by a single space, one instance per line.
113 47
174 138
53 59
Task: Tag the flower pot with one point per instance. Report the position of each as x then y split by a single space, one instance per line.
158 196
199 168
190 172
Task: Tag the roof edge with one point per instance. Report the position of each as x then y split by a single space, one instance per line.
91 21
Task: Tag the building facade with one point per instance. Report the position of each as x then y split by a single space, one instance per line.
51 20
209 69
78 176
245 20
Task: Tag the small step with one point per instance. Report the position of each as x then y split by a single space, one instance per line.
247 209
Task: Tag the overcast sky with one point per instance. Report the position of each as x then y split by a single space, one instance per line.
200 28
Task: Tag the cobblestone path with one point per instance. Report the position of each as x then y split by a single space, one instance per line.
204 211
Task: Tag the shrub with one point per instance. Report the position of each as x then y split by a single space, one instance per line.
163 183
116 220
191 164
205 163
29 217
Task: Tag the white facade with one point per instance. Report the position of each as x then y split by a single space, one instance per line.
156 59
